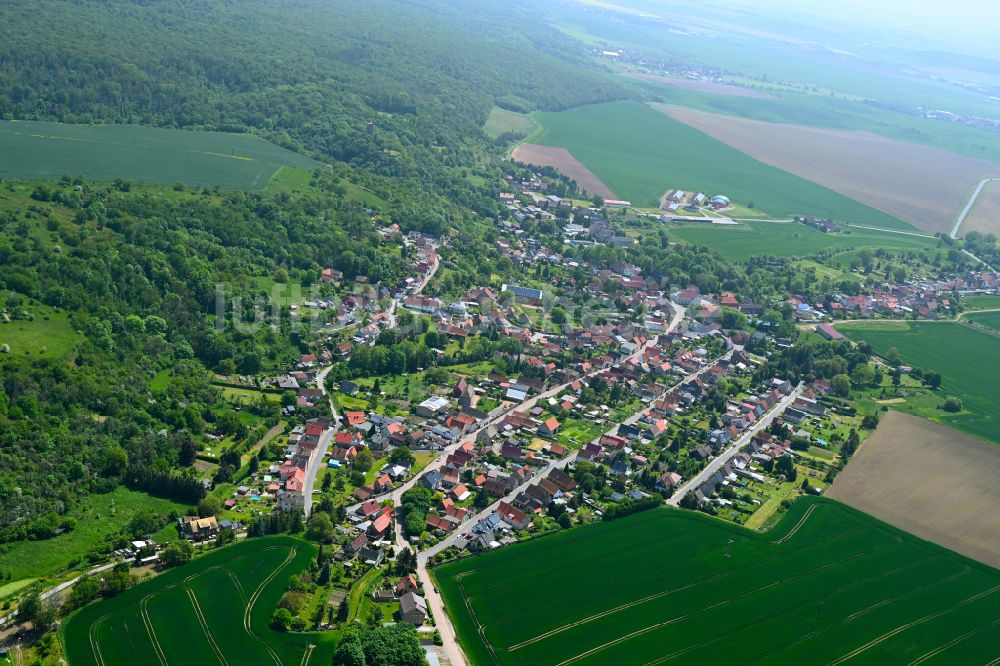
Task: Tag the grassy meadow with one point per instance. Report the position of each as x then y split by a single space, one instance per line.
787 239
827 584
48 151
48 335
501 121
990 320
218 605
98 517
968 360
640 153
981 302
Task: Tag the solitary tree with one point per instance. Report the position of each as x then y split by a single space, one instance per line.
364 460
343 610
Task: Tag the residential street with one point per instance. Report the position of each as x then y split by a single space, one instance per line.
433 597
324 443
497 415
423 557
735 448
394 306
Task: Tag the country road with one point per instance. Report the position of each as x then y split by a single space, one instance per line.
53 591
719 461
395 305
557 464
433 597
324 442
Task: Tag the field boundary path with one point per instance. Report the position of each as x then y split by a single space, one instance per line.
888 231
52 591
968 207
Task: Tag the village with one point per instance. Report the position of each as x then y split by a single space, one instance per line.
422 426
598 419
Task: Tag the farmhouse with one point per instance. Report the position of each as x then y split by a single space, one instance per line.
412 609
406 584
513 517
549 427
380 526
432 406
199 529
829 332
524 295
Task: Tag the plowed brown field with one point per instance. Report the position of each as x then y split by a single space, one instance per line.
985 215
929 480
562 159
927 187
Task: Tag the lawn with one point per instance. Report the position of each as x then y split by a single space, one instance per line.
10 589
248 396
363 196
216 608
968 360
821 270
640 153
98 517
577 433
282 293
160 381
46 151
827 584
49 335
421 460
789 239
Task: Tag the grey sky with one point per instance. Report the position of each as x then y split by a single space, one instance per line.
967 24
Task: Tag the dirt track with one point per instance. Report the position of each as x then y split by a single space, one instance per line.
929 480
925 186
562 159
701 86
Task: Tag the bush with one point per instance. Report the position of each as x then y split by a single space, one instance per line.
282 619
952 405
177 553
627 507
800 444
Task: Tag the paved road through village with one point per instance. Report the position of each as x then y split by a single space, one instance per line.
735 448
